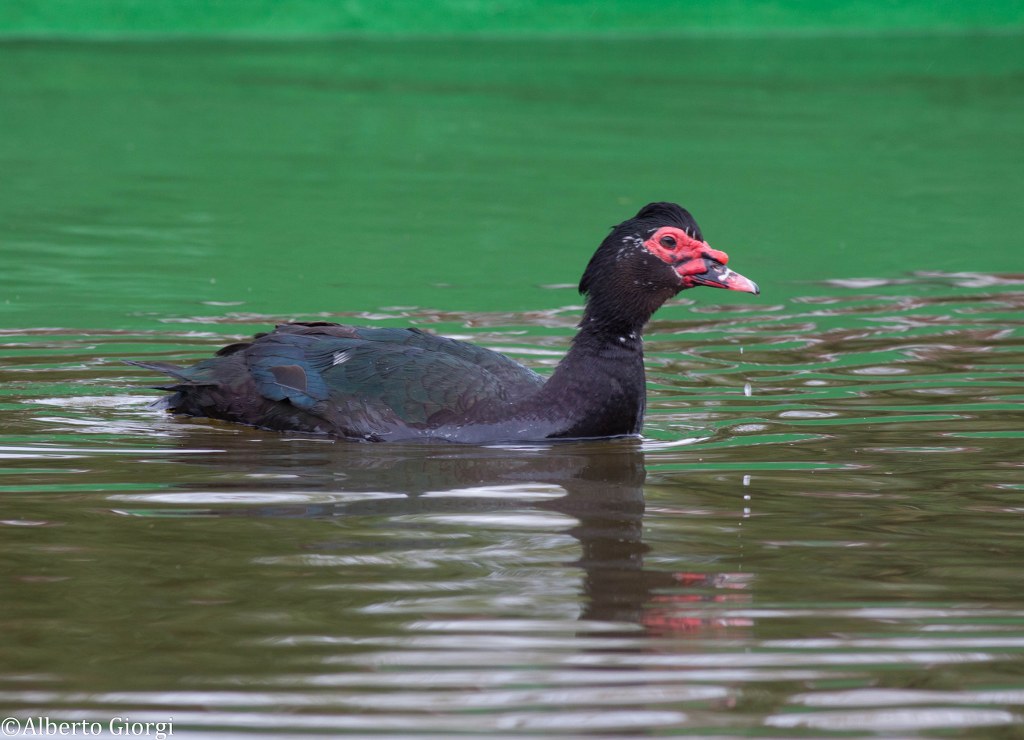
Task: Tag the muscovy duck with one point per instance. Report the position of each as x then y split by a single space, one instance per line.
379 384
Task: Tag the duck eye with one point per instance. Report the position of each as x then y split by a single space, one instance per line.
669 242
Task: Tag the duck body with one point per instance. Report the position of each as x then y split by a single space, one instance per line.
384 384
378 385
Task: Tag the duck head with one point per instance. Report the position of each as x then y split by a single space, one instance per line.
650 258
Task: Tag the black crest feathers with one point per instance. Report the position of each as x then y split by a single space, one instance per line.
669 214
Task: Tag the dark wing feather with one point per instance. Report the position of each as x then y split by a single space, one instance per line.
350 381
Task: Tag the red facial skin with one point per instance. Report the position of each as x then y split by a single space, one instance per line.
694 261
686 247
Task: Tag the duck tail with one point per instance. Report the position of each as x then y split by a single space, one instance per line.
183 374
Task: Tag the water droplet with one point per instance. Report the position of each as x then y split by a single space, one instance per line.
747 390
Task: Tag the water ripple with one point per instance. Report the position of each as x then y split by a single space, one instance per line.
818 533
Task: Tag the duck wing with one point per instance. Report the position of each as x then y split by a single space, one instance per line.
348 381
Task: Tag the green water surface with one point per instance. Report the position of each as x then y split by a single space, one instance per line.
296 178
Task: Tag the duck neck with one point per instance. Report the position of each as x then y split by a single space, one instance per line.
599 325
599 387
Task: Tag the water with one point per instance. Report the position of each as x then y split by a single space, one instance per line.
820 534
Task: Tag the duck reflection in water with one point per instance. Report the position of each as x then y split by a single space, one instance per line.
599 484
